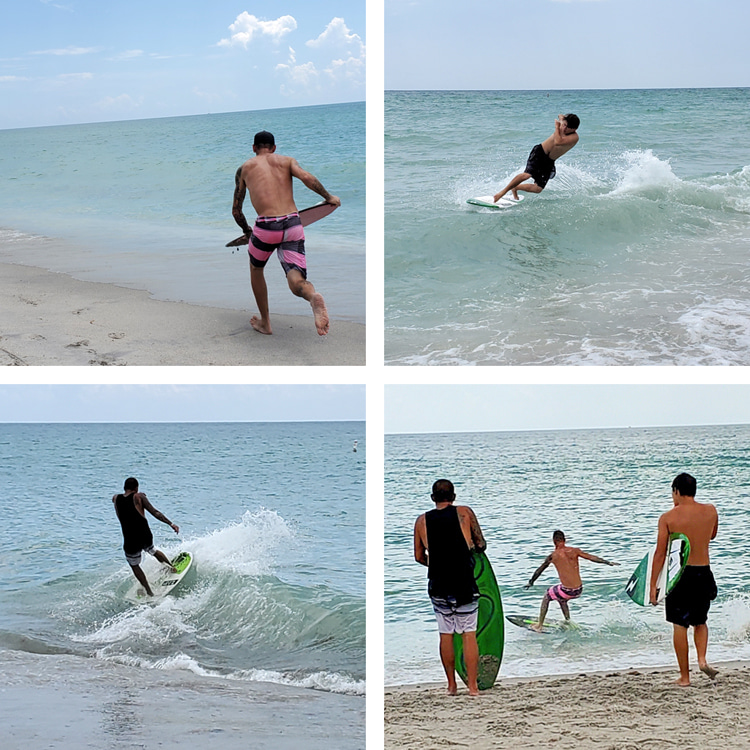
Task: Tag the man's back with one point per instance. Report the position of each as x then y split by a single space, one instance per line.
699 523
268 177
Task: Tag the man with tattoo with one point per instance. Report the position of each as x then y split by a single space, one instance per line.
443 541
268 179
131 508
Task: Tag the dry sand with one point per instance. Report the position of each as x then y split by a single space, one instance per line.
53 319
638 709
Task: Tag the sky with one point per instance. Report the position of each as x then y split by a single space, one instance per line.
565 44
182 403
480 408
76 61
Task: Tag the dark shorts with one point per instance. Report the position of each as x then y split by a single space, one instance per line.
284 234
540 166
688 602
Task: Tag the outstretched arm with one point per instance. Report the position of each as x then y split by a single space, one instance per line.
594 558
539 572
158 515
313 183
239 199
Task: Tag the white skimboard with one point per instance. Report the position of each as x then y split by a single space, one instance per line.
163 582
486 201
678 551
307 216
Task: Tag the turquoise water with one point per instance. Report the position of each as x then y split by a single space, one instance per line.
273 514
147 203
635 253
606 490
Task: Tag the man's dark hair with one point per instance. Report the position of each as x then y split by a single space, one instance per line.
443 491
558 536
685 485
264 138
573 121
131 483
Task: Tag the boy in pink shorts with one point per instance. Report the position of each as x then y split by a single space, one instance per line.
565 559
268 179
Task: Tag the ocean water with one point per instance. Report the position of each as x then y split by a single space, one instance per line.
273 514
147 204
606 490
634 254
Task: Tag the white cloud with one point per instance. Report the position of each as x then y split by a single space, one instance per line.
68 51
129 54
338 35
304 76
10 79
247 26
121 103
75 76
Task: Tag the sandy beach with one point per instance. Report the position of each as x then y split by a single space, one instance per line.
627 710
53 319
65 701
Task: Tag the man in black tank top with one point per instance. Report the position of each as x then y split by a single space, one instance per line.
444 539
131 508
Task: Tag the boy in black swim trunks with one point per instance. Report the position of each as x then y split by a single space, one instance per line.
540 166
688 603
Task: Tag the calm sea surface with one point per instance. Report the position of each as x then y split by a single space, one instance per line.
147 203
274 515
635 253
606 490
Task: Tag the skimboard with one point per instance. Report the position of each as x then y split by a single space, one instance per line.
549 626
490 627
486 201
163 582
637 588
307 216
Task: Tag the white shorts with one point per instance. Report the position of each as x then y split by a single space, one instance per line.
135 559
453 618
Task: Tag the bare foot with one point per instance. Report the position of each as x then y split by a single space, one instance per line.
536 627
709 670
682 683
261 327
497 196
474 693
452 690
320 313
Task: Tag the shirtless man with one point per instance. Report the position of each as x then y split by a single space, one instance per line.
131 508
443 541
565 559
268 180
689 601
540 166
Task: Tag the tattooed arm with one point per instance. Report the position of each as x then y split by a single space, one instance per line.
313 183
239 199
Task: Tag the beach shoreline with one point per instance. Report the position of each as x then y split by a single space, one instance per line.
626 709
51 318
70 701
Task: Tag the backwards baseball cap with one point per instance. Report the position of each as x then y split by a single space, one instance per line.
264 138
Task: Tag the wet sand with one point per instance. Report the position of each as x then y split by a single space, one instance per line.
64 701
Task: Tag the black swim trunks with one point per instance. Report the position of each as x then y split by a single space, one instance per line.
688 602
540 166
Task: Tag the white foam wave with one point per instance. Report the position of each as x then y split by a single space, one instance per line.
643 171
330 682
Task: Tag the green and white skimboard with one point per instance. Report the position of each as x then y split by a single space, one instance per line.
163 582
487 201
490 627
678 552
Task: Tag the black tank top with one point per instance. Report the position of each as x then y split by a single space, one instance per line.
135 530
451 567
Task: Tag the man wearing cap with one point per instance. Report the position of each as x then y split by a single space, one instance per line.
268 179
